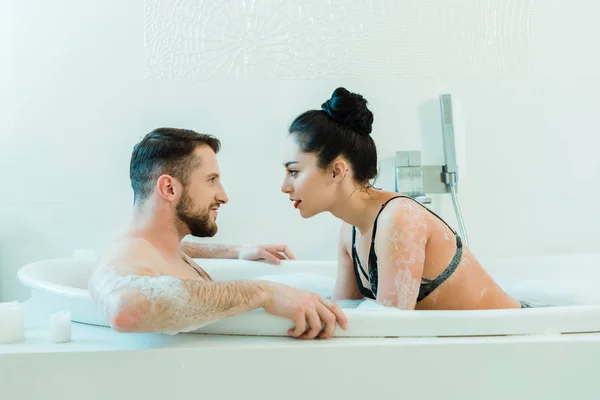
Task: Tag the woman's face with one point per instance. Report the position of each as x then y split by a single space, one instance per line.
310 188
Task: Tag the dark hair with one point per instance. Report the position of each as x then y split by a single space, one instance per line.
165 151
342 127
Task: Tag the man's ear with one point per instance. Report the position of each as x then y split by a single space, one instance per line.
167 187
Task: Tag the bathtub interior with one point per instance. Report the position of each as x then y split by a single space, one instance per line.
557 280
563 282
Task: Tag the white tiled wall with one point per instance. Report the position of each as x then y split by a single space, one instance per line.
82 81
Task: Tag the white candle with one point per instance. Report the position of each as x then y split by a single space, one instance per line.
60 327
12 322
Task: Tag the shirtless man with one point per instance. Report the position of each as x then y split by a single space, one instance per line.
146 280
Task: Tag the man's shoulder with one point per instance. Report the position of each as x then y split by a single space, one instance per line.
132 255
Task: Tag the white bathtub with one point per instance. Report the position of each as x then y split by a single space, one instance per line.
571 284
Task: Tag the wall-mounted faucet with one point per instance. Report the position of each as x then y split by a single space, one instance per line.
409 175
416 180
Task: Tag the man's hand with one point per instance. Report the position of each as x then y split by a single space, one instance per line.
271 253
301 307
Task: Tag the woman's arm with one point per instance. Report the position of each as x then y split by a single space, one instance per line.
345 283
400 242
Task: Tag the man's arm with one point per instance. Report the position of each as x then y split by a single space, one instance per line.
272 253
134 297
209 250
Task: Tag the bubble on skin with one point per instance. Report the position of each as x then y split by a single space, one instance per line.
406 289
433 297
165 298
141 302
215 247
213 250
410 240
247 252
412 244
483 293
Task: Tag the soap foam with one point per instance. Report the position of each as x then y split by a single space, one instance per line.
169 305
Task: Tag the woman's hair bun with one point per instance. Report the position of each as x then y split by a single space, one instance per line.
349 109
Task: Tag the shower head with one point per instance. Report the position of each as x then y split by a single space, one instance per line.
448 133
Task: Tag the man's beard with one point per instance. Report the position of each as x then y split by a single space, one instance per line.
199 222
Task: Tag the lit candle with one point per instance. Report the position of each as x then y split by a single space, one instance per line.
12 322
60 327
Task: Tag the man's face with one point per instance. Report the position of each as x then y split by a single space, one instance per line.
202 197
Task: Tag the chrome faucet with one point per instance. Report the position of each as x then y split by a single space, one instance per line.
416 180
409 176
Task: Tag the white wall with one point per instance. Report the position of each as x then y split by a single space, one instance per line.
86 79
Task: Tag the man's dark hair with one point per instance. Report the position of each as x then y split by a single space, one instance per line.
165 151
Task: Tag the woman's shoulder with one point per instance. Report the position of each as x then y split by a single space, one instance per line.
401 207
402 212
